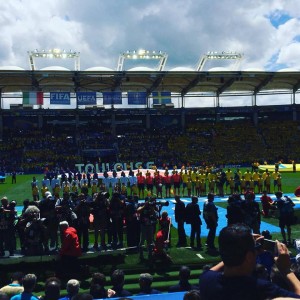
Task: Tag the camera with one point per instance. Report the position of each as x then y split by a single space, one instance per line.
105 195
269 245
162 203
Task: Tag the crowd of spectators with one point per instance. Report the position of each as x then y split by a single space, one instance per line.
235 142
247 270
23 286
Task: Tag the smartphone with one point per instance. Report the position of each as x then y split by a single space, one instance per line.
269 245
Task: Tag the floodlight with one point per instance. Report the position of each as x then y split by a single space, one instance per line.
143 54
210 55
54 53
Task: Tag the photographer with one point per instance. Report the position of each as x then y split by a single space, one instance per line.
35 232
47 209
252 212
286 216
233 279
64 210
165 225
180 219
210 214
235 213
148 218
116 213
8 216
82 211
132 224
99 209
192 215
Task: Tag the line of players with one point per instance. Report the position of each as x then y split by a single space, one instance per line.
185 182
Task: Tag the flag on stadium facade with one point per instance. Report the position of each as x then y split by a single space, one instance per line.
86 98
33 98
137 98
161 97
112 98
60 98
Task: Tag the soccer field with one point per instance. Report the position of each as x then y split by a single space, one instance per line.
22 189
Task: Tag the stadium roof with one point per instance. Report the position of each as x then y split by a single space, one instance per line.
178 82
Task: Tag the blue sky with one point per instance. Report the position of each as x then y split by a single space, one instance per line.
278 18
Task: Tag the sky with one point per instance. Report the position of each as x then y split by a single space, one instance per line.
266 32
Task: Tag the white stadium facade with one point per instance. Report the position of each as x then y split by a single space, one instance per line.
217 93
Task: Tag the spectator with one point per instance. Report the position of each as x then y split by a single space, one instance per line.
3 296
183 285
73 286
192 295
15 287
145 282
117 280
52 289
97 288
83 296
29 282
237 250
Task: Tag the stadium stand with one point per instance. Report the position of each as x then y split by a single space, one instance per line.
219 143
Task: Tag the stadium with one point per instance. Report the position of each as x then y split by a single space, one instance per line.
104 109
96 120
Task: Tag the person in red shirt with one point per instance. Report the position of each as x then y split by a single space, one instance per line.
176 179
267 204
165 225
70 248
141 184
167 182
158 184
159 251
149 182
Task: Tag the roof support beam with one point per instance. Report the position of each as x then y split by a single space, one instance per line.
259 87
226 85
193 83
296 87
155 84
118 81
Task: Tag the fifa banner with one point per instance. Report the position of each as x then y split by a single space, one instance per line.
137 98
110 98
33 98
161 97
86 98
60 98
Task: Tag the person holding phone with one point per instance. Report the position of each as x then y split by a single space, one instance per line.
233 277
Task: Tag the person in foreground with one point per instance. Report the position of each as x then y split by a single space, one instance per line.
145 282
233 279
29 282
